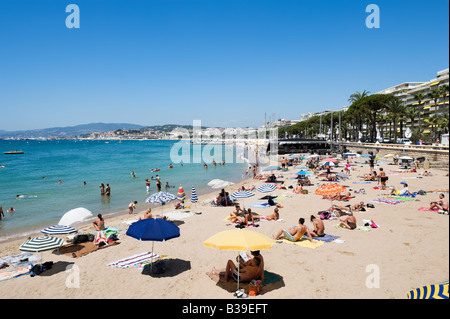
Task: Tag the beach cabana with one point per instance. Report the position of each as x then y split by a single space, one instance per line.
239 240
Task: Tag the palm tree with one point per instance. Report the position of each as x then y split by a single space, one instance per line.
412 113
419 97
444 91
396 108
357 96
435 95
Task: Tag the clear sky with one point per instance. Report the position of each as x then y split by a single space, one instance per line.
224 62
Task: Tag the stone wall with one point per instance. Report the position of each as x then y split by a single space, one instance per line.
438 156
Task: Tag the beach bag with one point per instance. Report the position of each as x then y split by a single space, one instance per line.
370 205
305 191
80 239
324 215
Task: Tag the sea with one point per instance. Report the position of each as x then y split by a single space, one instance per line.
55 176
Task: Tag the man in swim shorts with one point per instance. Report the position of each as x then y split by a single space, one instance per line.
441 204
295 232
319 227
348 222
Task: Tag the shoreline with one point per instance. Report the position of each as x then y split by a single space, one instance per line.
35 231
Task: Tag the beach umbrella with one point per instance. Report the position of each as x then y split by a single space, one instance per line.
438 291
330 160
265 188
330 189
160 198
301 167
342 175
181 196
389 155
215 181
242 194
365 155
331 164
304 173
223 184
194 198
153 229
59 230
40 244
239 240
74 216
313 155
350 154
405 158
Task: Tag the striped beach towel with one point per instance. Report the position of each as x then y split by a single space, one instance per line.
130 261
15 273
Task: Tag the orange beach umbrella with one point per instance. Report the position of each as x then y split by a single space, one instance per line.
330 189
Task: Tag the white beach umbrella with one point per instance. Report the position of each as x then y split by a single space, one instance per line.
215 181
74 216
266 188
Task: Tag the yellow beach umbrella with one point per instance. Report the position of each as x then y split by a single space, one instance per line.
240 240
389 155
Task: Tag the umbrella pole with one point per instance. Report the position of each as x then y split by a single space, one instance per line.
238 276
151 262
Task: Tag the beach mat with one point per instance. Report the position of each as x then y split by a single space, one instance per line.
427 209
132 260
259 204
304 243
327 238
271 282
82 249
15 273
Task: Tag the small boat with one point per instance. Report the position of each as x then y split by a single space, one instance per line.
14 152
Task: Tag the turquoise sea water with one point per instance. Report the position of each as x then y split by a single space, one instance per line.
93 162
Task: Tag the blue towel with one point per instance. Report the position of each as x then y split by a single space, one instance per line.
365 182
259 204
327 238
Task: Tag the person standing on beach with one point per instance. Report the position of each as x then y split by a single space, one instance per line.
383 178
107 190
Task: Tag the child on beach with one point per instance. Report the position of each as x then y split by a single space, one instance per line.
131 207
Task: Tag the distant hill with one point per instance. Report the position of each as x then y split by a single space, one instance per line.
70 131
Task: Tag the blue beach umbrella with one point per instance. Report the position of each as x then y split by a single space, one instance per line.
365 155
59 230
153 229
265 188
161 197
304 173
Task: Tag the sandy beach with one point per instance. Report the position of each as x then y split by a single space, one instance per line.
409 249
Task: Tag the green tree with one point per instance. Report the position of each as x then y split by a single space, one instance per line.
396 109
435 95
419 97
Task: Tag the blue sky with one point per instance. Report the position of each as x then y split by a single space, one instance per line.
224 62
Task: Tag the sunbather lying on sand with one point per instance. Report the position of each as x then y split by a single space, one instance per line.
351 208
346 196
274 216
294 233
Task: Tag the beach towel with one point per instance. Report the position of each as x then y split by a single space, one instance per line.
304 243
129 222
82 249
22 260
327 238
362 182
259 204
363 228
15 273
427 209
131 260
141 265
386 201
178 215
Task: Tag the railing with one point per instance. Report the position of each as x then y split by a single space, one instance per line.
411 147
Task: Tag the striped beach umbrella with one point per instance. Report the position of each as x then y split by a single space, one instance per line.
59 230
223 184
438 291
159 198
194 198
215 182
40 244
181 196
242 194
265 188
